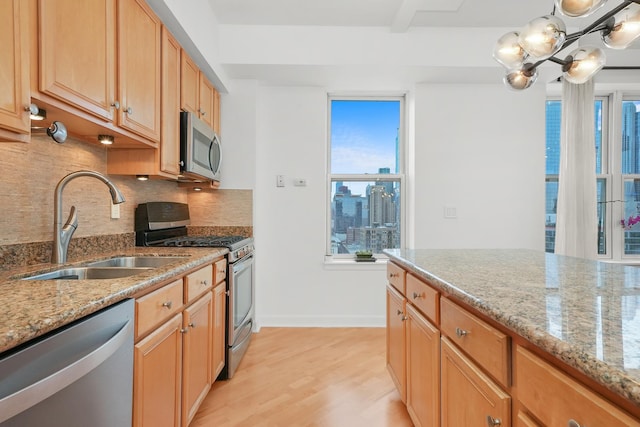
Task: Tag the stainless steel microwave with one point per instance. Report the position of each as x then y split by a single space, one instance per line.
200 149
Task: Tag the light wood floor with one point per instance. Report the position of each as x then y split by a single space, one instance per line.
308 377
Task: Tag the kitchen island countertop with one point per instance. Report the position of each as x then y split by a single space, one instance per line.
35 307
585 313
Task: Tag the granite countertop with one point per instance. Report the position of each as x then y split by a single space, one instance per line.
585 313
35 307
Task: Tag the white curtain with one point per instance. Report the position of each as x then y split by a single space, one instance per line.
576 219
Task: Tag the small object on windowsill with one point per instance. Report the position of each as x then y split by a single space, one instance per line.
364 256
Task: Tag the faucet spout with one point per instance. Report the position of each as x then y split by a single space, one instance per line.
62 234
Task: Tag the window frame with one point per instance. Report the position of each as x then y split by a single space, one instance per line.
399 177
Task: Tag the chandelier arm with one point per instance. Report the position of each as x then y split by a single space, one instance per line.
603 19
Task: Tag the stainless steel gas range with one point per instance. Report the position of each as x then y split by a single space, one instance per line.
165 224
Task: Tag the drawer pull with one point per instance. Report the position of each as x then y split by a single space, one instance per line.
492 422
392 275
400 313
417 295
573 423
205 282
461 332
167 304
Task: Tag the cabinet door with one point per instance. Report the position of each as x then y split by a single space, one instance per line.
139 67
219 322
207 99
77 53
170 136
396 352
157 376
189 84
216 112
14 69
469 397
197 356
423 370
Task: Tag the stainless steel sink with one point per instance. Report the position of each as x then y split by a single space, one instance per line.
89 273
134 261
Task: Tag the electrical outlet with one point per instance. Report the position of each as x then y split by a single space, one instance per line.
115 211
279 180
450 212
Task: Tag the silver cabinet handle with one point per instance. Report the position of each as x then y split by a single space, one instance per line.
573 423
461 332
417 295
129 110
204 282
191 325
184 330
400 313
167 304
38 391
492 422
116 105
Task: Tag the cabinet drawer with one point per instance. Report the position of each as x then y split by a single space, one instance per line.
197 283
424 297
555 398
469 397
157 306
488 346
219 271
396 276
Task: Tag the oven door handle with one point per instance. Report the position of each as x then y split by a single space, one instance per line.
242 264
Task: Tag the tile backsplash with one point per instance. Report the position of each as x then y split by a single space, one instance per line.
30 172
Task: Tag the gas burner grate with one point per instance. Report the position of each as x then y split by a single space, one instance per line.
205 241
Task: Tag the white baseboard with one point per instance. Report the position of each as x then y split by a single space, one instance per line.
320 321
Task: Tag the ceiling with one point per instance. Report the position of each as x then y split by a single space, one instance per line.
399 16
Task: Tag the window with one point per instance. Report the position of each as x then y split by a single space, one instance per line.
617 174
365 175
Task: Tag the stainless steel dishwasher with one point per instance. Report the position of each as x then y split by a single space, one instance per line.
77 376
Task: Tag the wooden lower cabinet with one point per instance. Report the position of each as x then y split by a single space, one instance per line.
423 370
396 352
469 397
158 376
198 335
179 350
219 322
557 399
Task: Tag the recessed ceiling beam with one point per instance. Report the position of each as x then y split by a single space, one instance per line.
408 9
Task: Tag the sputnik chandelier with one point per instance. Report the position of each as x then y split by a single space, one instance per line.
521 52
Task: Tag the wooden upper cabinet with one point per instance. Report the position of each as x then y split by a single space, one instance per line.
77 53
139 62
170 136
190 84
14 69
198 95
207 97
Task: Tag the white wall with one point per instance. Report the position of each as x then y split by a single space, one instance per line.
479 149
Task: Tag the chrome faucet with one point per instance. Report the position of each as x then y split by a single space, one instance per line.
62 234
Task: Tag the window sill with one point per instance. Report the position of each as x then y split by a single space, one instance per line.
331 263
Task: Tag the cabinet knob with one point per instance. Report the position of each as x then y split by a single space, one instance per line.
191 325
461 332
184 330
204 282
416 295
116 105
492 422
392 275
573 423
129 110
167 304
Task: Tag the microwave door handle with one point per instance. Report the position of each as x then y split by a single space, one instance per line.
211 148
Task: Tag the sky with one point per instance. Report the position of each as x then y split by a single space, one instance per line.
363 135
